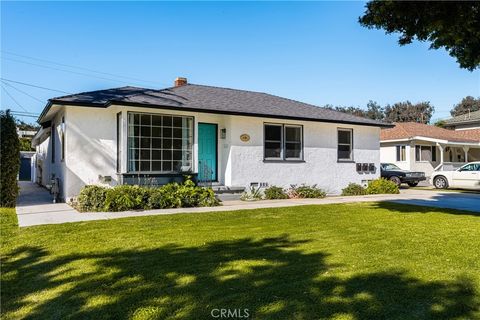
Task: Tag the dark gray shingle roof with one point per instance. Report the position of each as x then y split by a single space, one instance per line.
464 118
209 99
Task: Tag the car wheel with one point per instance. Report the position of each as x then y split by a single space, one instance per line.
396 180
413 184
440 182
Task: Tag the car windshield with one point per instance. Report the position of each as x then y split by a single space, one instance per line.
389 167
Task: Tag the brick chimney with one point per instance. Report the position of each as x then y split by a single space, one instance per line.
180 82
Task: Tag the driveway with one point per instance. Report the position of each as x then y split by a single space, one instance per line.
35 207
468 201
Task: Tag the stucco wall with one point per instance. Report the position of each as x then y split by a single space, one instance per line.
91 150
90 147
320 164
43 157
92 144
388 154
49 169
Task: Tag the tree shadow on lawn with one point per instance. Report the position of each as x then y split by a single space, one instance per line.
405 207
272 278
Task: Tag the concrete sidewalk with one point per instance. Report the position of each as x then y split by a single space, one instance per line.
35 207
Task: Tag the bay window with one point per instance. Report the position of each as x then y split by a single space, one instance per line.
283 142
159 143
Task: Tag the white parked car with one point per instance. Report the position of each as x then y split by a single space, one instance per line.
466 177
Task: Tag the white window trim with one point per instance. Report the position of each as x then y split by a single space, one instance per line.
283 142
350 159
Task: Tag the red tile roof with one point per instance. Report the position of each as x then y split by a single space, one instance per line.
407 130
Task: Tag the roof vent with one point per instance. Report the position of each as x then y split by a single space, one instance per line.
180 82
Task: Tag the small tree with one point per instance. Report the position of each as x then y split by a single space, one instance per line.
9 160
26 144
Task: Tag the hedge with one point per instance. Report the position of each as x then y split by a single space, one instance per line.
9 160
133 197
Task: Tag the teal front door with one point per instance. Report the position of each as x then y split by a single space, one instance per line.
207 152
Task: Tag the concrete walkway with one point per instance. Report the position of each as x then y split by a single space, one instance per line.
35 207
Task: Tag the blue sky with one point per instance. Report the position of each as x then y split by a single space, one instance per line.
314 52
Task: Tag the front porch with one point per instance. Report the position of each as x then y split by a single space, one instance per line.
454 156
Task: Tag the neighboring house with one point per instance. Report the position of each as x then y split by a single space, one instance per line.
26 133
467 121
234 137
422 147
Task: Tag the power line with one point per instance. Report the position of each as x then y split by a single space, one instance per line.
21 91
21 114
74 72
63 70
77 67
35 86
14 100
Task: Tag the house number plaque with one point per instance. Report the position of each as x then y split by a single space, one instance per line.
245 137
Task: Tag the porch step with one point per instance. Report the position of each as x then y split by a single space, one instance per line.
224 193
228 196
220 189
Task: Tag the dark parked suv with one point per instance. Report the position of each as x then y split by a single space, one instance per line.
393 173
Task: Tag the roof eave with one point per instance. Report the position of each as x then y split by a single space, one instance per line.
435 140
259 115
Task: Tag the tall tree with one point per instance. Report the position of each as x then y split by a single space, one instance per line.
407 112
356 111
453 25
9 159
468 104
375 111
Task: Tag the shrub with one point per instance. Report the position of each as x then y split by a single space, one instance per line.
382 186
164 197
305 191
252 194
92 198
174 195
126 197
353 189
274 192
9 160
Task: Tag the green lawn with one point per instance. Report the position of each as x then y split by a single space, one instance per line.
347 261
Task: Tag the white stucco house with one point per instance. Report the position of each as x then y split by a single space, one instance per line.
235 138
421 147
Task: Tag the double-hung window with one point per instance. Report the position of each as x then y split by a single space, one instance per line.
283 142
159 143
401 153
345 144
